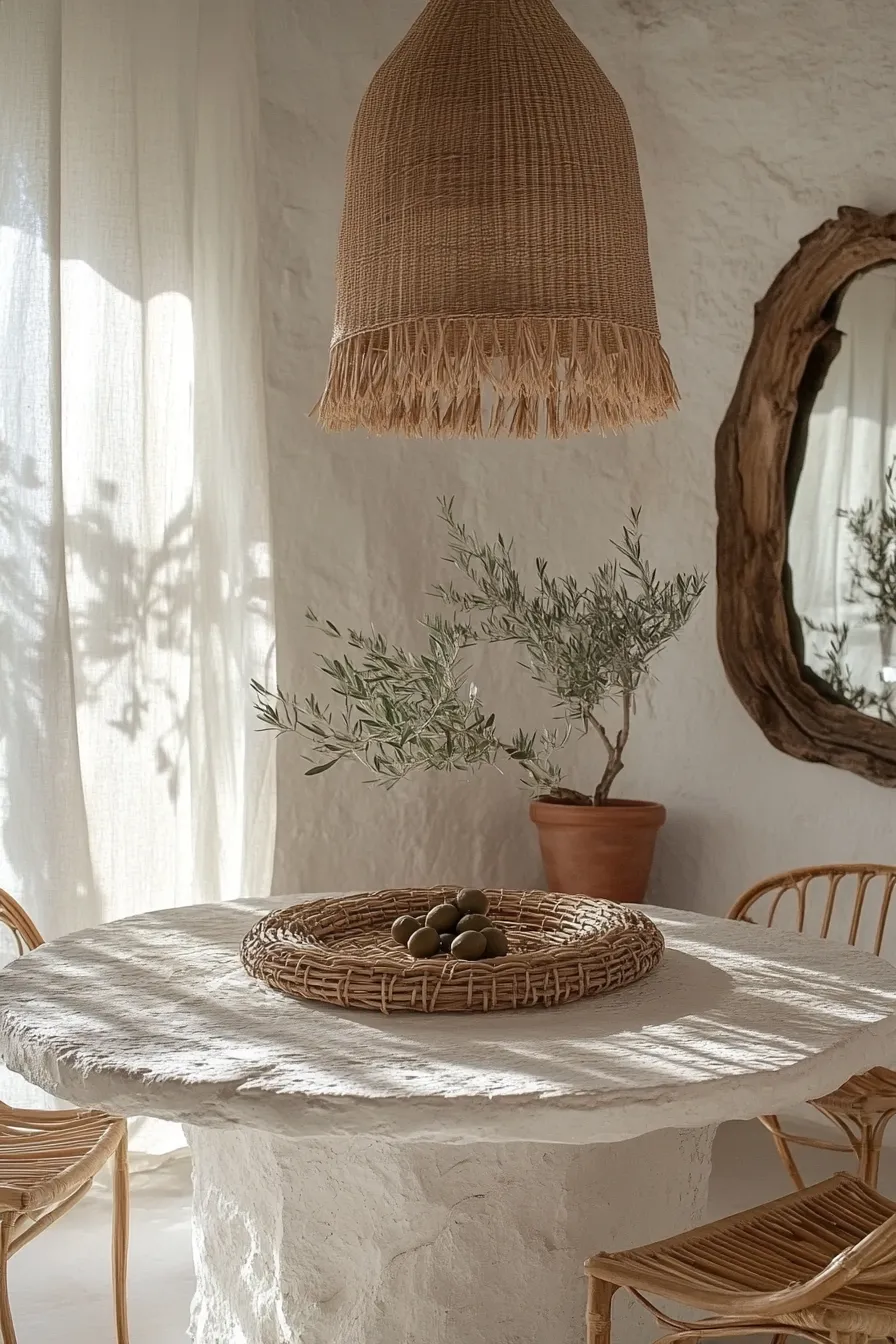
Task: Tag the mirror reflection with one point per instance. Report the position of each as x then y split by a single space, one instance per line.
842 526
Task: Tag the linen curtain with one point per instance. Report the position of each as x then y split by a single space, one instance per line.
135 586
850 445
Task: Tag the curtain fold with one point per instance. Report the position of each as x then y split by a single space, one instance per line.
135 583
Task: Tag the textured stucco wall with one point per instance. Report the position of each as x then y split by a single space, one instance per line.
754 121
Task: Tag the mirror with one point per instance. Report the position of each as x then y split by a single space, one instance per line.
806 501
841 534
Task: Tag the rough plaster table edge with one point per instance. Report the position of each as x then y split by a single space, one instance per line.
453 1119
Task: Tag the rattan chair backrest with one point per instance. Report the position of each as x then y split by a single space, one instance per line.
23 928
849 901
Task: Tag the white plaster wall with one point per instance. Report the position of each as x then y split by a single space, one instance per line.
754 121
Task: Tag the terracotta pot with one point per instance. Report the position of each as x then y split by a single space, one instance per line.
605 852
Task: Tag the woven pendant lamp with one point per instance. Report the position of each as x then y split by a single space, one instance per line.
493 273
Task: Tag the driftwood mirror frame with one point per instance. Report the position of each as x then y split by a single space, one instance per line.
795 338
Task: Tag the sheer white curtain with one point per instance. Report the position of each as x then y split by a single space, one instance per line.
135 590
850 445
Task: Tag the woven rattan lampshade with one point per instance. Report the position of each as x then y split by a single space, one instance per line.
493 273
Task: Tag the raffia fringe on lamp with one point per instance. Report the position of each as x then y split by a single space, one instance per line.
493 273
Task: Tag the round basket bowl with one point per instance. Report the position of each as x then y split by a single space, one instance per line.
562 948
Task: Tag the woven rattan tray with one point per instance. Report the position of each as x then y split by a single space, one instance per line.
562 948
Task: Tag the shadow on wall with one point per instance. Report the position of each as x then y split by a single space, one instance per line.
470 829
688 847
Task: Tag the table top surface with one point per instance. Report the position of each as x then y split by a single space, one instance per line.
154 1015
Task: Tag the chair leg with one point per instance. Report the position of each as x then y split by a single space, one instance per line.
7 1329
871 1146
783 1147
120 1233
869 1154
600 1307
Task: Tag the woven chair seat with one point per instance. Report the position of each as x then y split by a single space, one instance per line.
864 1094
46 1156
768 1250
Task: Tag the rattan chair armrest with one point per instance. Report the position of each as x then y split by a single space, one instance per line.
78 1174
42 1119
843 1269
37 1222
22 925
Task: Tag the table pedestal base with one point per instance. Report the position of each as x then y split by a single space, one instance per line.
360 1241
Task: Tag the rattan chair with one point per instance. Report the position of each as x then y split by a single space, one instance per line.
820 1263
850 902
48 1160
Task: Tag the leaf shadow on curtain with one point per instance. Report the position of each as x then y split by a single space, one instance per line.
155 616
158 588
130 617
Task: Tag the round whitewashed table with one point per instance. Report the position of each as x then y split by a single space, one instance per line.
362 1179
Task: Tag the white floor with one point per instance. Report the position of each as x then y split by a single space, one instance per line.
60 1283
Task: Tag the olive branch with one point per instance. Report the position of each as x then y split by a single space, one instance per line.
588 645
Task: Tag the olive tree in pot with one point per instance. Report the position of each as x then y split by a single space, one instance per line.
590 646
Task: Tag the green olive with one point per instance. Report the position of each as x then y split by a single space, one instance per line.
443 918
403 927
496 944
471 901
473 922
469 946
424 943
